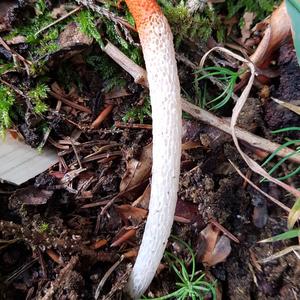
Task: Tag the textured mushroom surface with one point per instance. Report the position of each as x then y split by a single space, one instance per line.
158 50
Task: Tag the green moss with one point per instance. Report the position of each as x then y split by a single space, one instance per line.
187 26
7 99
44 43
87 24
37 95
139 113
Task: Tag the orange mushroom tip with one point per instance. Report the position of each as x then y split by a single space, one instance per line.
142 10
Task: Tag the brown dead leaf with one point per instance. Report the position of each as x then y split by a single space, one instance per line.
131 253
248 20
210 234
221 251
187 211
137 170
217 249
128 212
144 199
59 11
73 36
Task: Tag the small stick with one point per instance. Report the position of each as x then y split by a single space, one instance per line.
70 103
59 20
102 116
119 124
138 73
202 115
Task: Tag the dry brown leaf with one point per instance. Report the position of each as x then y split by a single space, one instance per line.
217 249
248 20
144 199
128 212
221 251
210 234
137 171
278 30
59 11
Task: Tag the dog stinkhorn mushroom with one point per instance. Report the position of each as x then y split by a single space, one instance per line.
159 55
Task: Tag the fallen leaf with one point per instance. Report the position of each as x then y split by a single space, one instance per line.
144 199
248 20
59 11
137 170
216 249
73 36
135 214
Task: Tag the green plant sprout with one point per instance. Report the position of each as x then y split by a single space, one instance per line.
224 75
192 285
43 227
283 236
7 100
37 95
282 160
139 113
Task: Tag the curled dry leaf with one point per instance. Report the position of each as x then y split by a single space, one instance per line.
216 248
137 170
279 30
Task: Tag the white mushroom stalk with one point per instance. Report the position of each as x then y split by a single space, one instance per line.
159 55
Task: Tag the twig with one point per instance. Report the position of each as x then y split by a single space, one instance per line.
138 73
200 114
119 124
106 276
102 116
70 103
59 20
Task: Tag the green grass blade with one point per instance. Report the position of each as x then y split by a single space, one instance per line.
280 148
283 236
285 129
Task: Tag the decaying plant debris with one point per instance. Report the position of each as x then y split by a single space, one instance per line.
72 78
